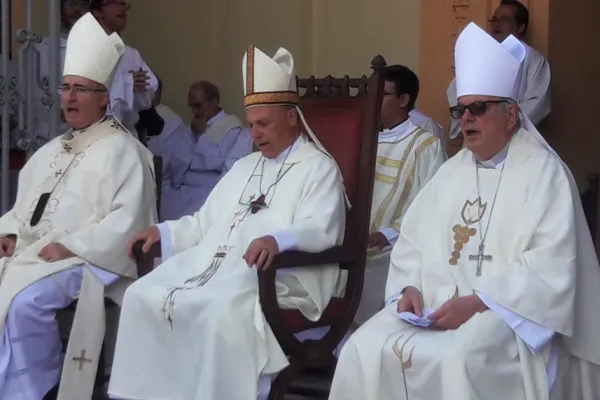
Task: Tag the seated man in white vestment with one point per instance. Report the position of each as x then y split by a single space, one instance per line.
196 158
407 158
494 282
80 198
193 328
135 83
512 18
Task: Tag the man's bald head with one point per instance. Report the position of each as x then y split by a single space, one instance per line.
203 99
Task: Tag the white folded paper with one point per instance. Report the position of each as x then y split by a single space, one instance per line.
415 320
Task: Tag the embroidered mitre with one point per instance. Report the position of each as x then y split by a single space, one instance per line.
272 81
269 80
91 53
488 68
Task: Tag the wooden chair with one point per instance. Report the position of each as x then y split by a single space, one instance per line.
346 123
589 200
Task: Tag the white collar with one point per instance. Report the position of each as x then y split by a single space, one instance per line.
397 133
215 118
290 149
496 161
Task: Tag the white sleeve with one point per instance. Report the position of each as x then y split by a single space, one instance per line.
534 335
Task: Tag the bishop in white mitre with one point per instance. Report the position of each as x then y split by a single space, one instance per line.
407 158
512 18
193 328
494 267
80 198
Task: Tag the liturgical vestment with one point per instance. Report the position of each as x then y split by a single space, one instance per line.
518 348
407 158
126 101
102 192
193 328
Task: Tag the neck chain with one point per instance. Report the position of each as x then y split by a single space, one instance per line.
262 198
483 234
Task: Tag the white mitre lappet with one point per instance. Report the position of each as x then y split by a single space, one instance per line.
91 53
487 68
272 81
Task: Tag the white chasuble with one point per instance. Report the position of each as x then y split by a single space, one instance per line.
407 158
101 191
193 328
527 276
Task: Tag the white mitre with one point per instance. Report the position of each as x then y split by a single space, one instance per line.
486 67
269 80
91 53
272 81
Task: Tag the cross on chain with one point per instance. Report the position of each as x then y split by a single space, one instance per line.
480 258
81 359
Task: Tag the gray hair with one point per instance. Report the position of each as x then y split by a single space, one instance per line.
507 104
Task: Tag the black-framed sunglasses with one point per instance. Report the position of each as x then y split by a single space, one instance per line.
476 109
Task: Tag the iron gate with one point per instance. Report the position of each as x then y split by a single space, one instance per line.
24 90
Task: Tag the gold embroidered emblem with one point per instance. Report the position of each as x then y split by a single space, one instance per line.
471 213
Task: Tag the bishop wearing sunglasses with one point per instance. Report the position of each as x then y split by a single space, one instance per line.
494 283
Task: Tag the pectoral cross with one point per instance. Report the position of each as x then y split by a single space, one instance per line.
480 258
258 204
81 359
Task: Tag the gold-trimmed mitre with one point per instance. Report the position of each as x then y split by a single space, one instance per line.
269 81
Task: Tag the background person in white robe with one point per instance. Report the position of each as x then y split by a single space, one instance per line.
135 83
199 311
512 18
196 159
174 126
497 244
80 198
407 158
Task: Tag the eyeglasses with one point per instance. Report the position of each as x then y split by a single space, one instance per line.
501 20
477 109
78 89
125 4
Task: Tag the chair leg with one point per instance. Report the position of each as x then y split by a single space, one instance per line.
282 382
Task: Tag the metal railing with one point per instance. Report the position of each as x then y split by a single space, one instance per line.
26 96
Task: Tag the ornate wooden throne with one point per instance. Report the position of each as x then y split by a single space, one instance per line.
344 115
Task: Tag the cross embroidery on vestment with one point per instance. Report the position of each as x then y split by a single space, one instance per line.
81 359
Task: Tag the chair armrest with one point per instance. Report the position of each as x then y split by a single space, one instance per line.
145 261
294 259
